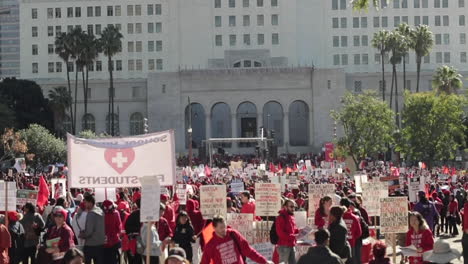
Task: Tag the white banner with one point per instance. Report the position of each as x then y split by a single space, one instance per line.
121 162
59 188
267 199
10 193
182 193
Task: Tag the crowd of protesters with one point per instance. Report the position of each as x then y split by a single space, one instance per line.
77 229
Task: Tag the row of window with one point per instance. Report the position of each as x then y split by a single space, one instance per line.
245 3
246 20
88 122
397 20
246 39
132 65
363 59
95 11
404 4
357 41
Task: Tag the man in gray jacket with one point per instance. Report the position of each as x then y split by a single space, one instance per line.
94 233
321 253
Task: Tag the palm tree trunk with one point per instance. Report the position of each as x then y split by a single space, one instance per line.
391 89
70 93
418 72
397 117
75 98
111 95
404 73
84 98
383 76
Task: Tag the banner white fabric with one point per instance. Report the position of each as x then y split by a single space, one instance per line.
121 162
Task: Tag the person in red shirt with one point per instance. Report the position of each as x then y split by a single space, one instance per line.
113 227
322 213
465 231
354 230
300 202
286 229
195 216
62 231
169 213
5 241
453 214
420 236
228 246
248 206
163 227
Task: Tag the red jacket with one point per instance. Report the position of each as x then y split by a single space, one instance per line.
170 217
453 207
423 239
354 227
286 229
249 208
195 216
164 230
5 244
229 250
465 217
321 221
113 228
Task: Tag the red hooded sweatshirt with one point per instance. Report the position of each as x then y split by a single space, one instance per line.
286 229
113 228
195 216
229 250
423 239
321 221
169 214
354 227
164 230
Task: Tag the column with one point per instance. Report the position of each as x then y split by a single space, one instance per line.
234 149
260 124
285 129
208 126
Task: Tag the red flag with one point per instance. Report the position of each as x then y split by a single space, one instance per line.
446 170
272 167
207 171
43 193
288 170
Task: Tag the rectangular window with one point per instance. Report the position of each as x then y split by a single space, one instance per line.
336 41
158 9
129 28
232 3
427 59
91 67
69 28
34 49
334 4
446 39
396 21
383 4
247 39
377 58
34 32
150 27
138 28
446 57
118 65
438 39
344 59
50 67
404 19
417 20
426 20
131 65
274 3
438 57
217 3
137 10
335 22
437 21
138 46
98 29
150 10
260 20
445 21
356 41
384 21
77 11
355 22
117 11
376 22
58 30
69 11
218 21
50 13
219 40
357 59
461 3
336 59
436 3
245 21
365 59
245 3
159 45
461 20
274 20
58 66
35 67
343 4
150 68
463 57
363 22
463 38
34 13
50 31
344 41
90 30
364 41
275 38
130 46
232 40
89 11
139 65
417 4
444 3
58 12
158 27
404 4
97 11
260 39
99 66
232 21
357 86
259 3
343 22
425 3
159 64
396 3
150 46
129 10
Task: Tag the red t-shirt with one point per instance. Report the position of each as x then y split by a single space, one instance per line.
423 239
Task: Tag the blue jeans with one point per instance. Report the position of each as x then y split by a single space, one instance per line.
287 254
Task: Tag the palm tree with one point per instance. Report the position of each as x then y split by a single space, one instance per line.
398 46
380 42
447 80
422 42
406 32
88 54
76 37
60 100
63 49
111 44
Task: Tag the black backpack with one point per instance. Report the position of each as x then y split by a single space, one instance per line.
273 235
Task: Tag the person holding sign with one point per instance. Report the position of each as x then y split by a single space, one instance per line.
323 212
228 246
420 236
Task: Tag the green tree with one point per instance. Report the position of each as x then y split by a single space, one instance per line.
111 44
421 42
406 31
432 126
367 123
380 42
447 80
365 4
398 46
46 148
59 100
12 145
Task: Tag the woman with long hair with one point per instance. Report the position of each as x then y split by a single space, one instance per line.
338 233
420 236
322 213
184 234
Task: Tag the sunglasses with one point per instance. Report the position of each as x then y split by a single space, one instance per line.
58 215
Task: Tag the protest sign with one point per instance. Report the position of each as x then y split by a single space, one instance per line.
182 193
150 199
393 215
264 249
359 180
301 219
413 189
59 187
235 165
20 165
267 199
371 194
213 200
102 194
237 187
242 223
26 196
121 162
7 191
316 192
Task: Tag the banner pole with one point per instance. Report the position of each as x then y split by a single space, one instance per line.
394 247
148 241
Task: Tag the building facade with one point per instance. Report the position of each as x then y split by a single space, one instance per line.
9 39
248 46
